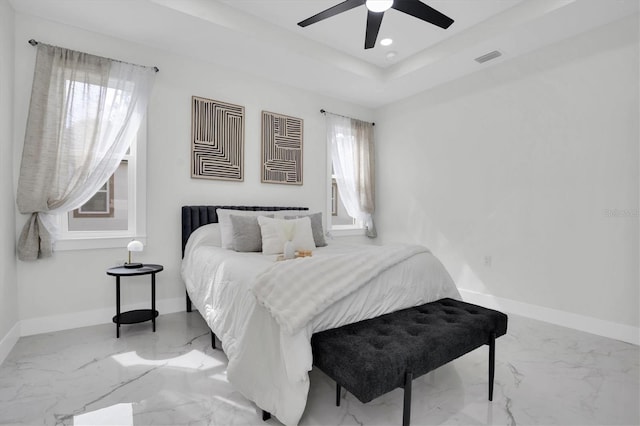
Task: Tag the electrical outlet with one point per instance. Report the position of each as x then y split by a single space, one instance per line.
487 261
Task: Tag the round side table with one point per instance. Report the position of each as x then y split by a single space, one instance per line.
138 315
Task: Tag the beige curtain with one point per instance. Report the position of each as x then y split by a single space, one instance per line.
84 112
353 159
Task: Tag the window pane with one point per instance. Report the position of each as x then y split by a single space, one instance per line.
108 209
339 215
99 203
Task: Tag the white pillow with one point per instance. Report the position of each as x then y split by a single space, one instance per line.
226 228
206 235
276 232
316 225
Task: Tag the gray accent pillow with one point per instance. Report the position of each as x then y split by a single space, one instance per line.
246 235
316 227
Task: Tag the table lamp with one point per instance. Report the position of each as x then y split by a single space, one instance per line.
134 245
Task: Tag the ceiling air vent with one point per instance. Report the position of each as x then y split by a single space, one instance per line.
489 56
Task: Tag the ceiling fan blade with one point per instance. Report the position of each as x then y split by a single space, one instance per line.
374 20
332 11
421 11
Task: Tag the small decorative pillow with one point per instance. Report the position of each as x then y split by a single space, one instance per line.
276 232
316 227
246 235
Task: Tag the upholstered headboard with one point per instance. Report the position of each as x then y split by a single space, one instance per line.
194 217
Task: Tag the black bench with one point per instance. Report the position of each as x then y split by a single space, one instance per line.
372 357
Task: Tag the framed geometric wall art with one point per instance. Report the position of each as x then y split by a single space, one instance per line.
281 153
217 140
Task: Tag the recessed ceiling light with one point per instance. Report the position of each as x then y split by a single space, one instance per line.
379 5
386 42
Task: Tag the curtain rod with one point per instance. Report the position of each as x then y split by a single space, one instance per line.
327 112
35 43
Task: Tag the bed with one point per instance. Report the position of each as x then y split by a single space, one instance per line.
264 312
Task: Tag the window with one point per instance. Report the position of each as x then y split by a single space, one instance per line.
117 211
351 192
85 113
339 221
109 218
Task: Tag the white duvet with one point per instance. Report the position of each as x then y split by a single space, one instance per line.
269 363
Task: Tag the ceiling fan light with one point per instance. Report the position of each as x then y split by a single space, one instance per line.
379 5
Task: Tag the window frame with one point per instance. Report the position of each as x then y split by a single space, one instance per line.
137 210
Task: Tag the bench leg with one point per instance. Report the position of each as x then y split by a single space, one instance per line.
492 362
265 415
338 389
406 411
213 340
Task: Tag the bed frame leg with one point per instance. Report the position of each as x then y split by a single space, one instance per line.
265 415
213 340
338 389
188 300
492 362
406 411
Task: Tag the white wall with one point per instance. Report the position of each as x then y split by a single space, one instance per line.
525 162
519 162
8 288
72 285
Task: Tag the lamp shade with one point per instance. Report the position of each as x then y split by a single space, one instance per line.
135 246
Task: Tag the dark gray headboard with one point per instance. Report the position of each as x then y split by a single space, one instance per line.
194 217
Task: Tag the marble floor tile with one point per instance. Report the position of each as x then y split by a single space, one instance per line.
545 375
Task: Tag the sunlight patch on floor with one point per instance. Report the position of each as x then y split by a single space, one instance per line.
119 414
194 360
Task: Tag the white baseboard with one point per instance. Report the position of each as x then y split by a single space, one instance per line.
49 324
591 325
623 332
9 341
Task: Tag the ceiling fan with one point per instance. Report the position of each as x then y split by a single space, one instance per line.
376 9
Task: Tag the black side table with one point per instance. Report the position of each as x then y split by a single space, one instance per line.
138 315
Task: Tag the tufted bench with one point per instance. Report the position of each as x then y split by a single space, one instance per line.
372 357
